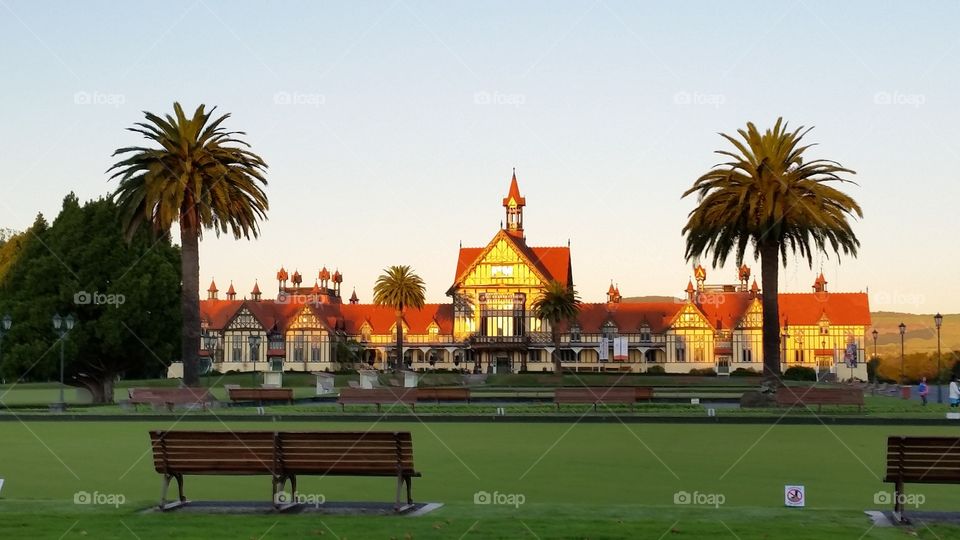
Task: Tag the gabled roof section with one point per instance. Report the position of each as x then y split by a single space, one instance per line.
549 263
840 308
628 317
381 319
725 310
217 313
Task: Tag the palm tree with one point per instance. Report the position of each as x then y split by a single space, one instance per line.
201 176
767 197
555 304
399 288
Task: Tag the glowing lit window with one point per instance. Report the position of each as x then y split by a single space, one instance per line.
501 271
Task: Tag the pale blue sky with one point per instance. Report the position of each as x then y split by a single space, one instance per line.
407 117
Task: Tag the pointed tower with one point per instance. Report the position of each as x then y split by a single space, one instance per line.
820 285
212 291
337 280
231 292
514 204
282 277
353 298
255 293
700 274
691 292
613 294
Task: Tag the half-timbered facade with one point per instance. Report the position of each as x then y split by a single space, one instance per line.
489 325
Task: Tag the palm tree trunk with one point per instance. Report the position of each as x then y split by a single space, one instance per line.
769 275
190 304
555 336
399 364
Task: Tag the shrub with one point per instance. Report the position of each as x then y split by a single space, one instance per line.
705 372
744 372
656 370
800 373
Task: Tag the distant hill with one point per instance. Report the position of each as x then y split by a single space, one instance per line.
921 334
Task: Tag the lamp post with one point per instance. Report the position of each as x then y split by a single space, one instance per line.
62 326
938 320
875 334
211 342
5 324
254 342
903 330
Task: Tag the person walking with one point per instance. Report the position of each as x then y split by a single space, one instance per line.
954 392
923 390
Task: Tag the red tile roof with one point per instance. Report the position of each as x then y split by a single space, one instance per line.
840 308
724 310
628 317
382 318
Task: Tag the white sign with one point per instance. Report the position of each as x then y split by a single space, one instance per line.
695 401
794 496
950 416
1 484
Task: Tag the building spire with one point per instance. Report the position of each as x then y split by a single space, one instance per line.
514 203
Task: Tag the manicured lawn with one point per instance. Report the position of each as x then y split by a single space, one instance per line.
578 481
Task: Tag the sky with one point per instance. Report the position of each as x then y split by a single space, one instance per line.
391 128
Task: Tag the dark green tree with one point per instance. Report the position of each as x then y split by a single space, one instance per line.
124 297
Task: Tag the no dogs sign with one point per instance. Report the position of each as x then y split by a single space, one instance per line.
794 496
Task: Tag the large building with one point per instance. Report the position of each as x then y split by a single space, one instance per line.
488 325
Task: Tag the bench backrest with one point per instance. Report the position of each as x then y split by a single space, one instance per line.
171 395
608 394
461 394
265 452
643 392
260 393
378 395
932 460
824 396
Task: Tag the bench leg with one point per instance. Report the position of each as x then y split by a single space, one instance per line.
409 481
898 503
163 491
396 504
166 487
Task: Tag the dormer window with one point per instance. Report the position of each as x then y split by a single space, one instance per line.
575 333
609 329
645 333
365 333
501 271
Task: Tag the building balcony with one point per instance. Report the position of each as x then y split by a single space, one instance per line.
491 342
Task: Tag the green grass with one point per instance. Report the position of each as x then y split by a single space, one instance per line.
579 481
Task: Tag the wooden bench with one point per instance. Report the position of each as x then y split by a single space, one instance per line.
809 395
377 396
643 393
283 456
443 394
920 460
170 397
607 395
259 395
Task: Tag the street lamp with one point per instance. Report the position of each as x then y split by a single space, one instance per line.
875 334
903 330
938 320
211 342
254 342
62 326
5 324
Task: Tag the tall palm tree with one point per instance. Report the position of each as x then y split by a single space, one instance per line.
203 177
767 197
399 288
557 303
